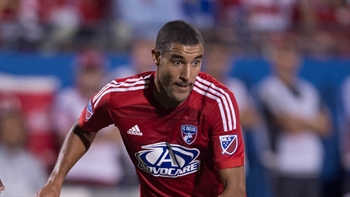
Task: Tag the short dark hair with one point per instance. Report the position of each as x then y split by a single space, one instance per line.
177 31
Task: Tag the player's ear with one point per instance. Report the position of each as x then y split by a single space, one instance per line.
156 56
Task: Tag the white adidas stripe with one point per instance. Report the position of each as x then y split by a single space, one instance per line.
138 84
116 85
140 80
97 100
223 99
217 96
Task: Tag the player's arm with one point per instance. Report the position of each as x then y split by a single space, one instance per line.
76 143
234 182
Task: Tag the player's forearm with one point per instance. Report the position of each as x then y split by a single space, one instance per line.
74 147
234 182
233 191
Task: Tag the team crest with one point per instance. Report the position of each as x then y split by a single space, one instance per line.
229 144
88 110
189 133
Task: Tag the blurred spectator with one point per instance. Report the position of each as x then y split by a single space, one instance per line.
140 59
233 15
345 145
218 62
21 171
101 166
269 15
331 15
66 25
61 20
320 44
72 23
20 25
230 12
325 26
36 94
296 119
147 16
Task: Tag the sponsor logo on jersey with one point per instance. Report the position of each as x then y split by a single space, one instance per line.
189 133
135 130
168 160
88 110
229 144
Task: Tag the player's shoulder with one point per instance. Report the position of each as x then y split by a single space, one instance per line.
145 76
130 83
125 88
207 88
206 82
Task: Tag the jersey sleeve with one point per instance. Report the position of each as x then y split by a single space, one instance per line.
95 115
226 132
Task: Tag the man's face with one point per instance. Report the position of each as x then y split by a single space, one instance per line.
177 70
90 80
286 63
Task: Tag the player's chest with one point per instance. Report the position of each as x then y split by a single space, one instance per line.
144 125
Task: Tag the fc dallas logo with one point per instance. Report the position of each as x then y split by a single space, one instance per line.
229 144
189 133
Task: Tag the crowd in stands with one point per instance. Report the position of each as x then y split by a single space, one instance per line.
320 27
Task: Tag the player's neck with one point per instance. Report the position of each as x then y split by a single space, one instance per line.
162 97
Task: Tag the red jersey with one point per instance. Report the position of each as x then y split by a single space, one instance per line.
176 152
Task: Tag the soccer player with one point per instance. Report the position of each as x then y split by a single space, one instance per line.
180 126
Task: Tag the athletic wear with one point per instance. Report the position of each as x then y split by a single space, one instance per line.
176 152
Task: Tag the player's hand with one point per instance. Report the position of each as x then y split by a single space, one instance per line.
49 190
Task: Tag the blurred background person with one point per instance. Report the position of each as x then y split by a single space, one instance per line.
36 94
139 58
21 171
144 17
20 25
218 62
71 23
101 166
297 120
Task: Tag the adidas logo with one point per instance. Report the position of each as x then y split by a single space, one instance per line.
135 131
